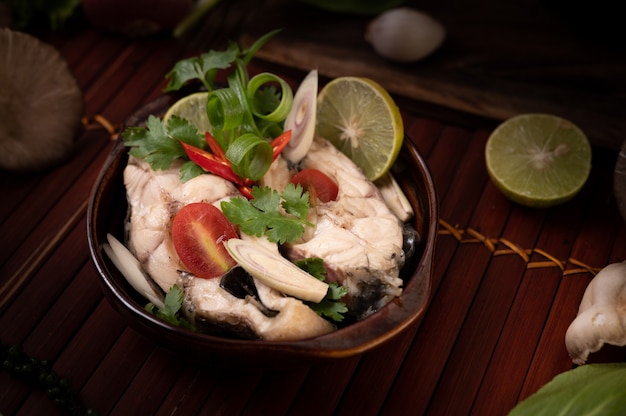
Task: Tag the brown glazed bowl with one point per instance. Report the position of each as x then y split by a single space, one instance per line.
106 214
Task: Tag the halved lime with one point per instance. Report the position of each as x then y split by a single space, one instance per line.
191 107
361 119
538 160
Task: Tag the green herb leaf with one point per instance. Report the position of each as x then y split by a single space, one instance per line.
171 308
190 170
331 306
159 145
262 215
295 201
590 389
250 156
203 68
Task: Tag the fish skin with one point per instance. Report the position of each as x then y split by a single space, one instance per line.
206 303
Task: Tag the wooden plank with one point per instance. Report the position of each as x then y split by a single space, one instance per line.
461 378
116 371
281 387
524 322
148 388
231 393
318 384
482 68
189 393
593 246
88 346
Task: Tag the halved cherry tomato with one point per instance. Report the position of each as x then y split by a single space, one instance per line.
317 184
198 232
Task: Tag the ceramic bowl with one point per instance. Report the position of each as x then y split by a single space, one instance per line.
106 214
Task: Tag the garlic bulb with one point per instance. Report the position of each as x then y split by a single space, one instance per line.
404 34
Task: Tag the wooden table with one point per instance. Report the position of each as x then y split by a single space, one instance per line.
493 332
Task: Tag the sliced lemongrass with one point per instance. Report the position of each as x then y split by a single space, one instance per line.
301 119
276 271
131 269
394 197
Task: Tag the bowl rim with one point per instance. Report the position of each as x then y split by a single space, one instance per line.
354 339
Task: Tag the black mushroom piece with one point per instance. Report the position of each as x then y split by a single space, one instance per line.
411 247
240 284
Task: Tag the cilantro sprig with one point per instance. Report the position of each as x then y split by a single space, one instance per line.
159 144
331 306
262 215
170 312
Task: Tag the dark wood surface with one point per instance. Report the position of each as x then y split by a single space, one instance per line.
493 332
498 59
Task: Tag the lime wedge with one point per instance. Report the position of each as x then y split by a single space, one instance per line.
538 160
360 118
191 107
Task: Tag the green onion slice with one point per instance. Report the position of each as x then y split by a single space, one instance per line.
280 112
224 109
250 156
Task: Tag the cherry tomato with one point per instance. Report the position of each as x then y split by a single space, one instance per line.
198 232
317 184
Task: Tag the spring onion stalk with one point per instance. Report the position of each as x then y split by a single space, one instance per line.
250 156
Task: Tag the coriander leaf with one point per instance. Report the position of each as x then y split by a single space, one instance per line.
262 215
203 68
282 229
239 211
314 266
153 144
295 201
190 170
265 199
331 306
171 308
183 130
159 145
173 302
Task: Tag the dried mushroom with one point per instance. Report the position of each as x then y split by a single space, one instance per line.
41 104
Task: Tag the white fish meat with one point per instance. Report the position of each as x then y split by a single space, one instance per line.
154 197
215 310
359 238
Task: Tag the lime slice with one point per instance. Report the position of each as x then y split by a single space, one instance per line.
538 160
361 119
191 107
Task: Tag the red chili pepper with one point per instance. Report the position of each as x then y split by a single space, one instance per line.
279 143
215 146
211 163
246 191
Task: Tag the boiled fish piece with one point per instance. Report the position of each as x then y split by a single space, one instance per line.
154 197
214 310
359 238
